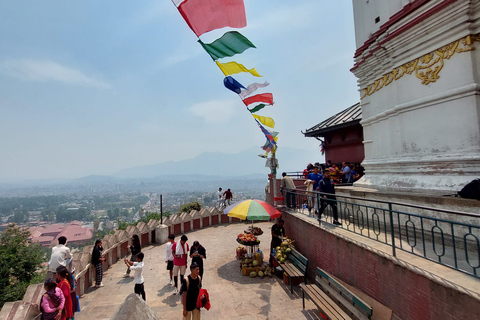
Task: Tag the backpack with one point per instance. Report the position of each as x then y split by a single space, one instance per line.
471 190
180 295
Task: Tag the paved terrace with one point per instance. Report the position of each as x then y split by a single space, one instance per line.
232 295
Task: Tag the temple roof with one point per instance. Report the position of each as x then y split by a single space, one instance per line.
348 117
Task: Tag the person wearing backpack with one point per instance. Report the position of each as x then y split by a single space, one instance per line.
189 293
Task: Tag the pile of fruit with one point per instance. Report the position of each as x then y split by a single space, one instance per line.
256 231
241 252
263 271
282 251
247 239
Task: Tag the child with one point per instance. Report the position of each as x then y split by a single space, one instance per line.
169 256
52 300
138 277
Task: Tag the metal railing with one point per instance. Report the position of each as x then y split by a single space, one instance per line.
450 238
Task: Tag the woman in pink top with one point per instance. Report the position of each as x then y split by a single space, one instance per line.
53 301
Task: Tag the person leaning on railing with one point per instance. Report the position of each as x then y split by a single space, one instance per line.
287 183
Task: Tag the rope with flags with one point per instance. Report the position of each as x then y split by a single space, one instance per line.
203 16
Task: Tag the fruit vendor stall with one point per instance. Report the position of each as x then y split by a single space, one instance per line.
248 253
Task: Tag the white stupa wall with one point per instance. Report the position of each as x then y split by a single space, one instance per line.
423 136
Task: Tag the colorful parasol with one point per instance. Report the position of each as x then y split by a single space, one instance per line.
252 210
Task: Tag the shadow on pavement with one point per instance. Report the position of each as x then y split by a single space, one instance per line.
166 289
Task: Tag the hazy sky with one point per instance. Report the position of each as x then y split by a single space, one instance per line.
92 87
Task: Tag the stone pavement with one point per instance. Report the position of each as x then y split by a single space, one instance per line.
232 295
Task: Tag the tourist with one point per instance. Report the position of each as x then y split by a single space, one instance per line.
344 171
53 300
97 261
180 251
278 232
334 172
228 197
329 164
169 256
328 198
64 280
352 175
61 256
137 266
307 170
198 253
134 248
190 292
220 200
287 183
316 177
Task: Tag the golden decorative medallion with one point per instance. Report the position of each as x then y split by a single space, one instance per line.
426 68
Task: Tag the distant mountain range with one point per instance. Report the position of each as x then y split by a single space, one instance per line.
214 165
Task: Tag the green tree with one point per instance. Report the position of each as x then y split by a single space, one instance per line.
21 260
191 206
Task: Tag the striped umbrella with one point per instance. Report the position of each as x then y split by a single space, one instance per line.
252 210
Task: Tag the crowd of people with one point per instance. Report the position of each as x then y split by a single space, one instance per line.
60 301
319 178
346 173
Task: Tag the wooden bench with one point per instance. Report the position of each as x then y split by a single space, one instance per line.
295 267
328 294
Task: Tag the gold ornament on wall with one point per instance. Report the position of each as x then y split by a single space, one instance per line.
427 68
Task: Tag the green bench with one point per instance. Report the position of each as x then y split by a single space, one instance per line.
295 267
329 295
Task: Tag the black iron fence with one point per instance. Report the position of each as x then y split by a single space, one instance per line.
450 238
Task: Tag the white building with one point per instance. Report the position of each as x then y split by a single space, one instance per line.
418 69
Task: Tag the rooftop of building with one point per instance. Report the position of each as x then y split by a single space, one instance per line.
348 117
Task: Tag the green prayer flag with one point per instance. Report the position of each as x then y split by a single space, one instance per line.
257 108
228 45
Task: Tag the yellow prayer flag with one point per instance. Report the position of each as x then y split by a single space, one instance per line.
265 120
233 68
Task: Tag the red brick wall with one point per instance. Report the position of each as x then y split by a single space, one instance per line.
144 239
177 229
124 248
196 224
114 255
224 218
410 295
206 222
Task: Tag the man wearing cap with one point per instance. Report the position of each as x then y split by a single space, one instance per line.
180 254
198 253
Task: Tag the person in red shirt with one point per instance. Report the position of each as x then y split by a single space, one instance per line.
228 197
180 252
64 279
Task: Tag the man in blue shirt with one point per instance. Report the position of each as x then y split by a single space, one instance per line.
315 176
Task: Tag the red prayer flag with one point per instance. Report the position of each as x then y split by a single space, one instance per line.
207 15
264 97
